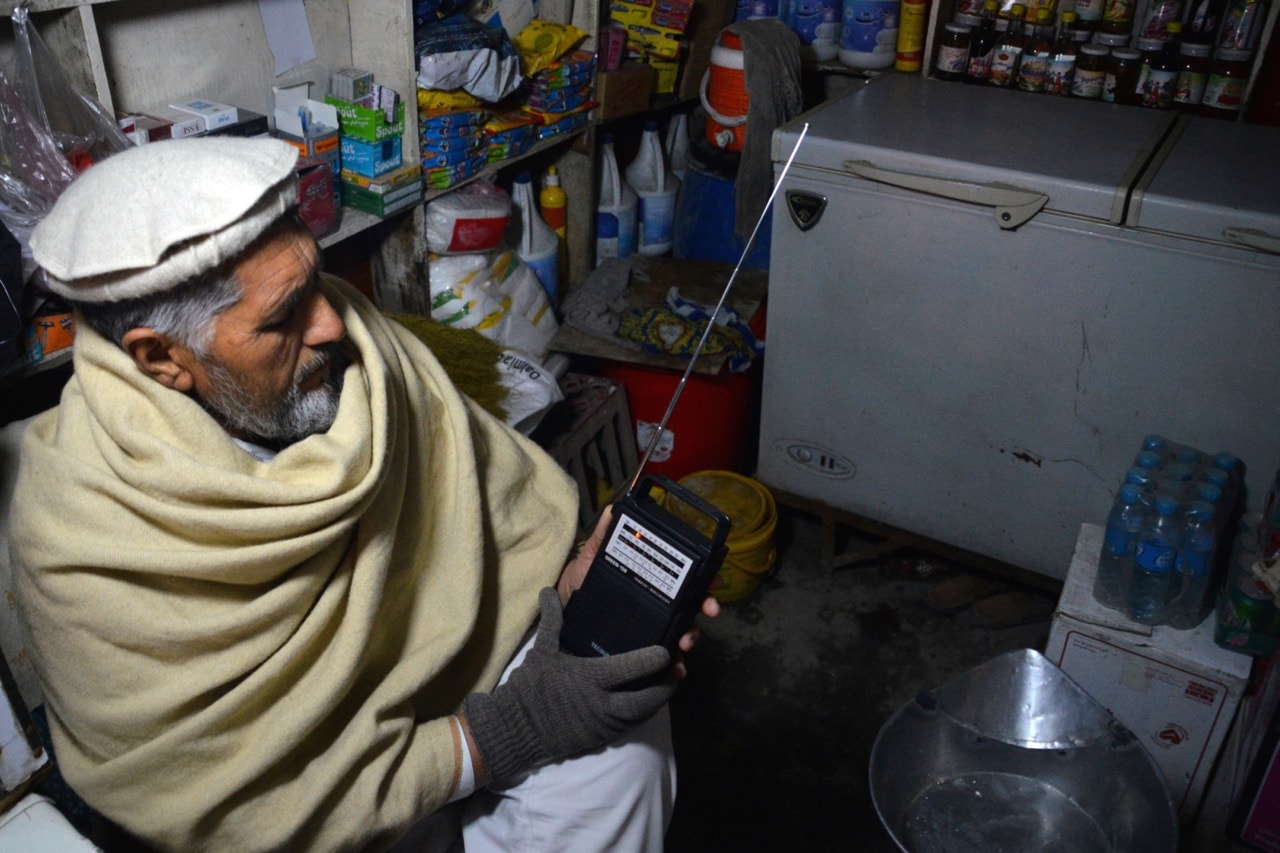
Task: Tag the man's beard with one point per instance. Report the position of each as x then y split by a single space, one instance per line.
290 418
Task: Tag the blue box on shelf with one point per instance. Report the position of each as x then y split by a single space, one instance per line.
371 158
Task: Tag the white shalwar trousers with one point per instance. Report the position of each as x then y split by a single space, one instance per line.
617 799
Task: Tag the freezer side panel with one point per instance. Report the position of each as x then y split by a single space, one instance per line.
987 388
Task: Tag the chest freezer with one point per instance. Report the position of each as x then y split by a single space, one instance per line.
982 300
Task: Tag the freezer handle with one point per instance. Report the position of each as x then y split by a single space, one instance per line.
1254 239
1013 205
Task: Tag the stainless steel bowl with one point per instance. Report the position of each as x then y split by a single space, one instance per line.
1014 756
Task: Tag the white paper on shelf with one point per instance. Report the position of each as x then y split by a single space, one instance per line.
288 33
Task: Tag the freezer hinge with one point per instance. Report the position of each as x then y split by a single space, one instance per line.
1013 205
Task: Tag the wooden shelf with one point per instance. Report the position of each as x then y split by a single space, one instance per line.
494 168
16 373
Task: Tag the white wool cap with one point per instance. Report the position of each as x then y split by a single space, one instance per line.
154 216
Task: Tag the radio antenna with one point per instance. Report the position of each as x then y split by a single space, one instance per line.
706 333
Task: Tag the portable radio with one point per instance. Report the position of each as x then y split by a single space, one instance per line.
647 582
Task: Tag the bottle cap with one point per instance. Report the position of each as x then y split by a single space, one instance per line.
968 20
1166 504
1095 49
1149 45
1154 442
524 178
1192 49
1224 460
1148 459
651 125
1202 511
553 177
606 226
1209 492
1111 39
959 29
1126 53
1230 55
1129 493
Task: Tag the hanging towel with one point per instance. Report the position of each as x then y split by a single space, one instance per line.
771 71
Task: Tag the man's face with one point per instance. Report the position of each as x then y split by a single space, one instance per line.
273 370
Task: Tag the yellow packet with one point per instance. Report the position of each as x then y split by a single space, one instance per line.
543 42
439 99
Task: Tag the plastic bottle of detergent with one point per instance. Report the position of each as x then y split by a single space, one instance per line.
617 199
869 33
656 186
676 144
554 203
532 238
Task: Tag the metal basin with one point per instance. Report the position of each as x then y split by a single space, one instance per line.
1014 756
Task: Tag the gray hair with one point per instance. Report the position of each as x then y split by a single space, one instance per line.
185 313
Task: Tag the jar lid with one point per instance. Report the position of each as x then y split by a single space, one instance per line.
1111 39
1195 49
960 29
969 20
1146 45
1125 53
1230 55
1095 49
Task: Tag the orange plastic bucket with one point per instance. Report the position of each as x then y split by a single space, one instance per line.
724 94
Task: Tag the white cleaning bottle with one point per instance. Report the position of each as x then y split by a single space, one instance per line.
656 186
532 238
677 144
617 199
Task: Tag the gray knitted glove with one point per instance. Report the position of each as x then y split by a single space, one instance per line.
556 705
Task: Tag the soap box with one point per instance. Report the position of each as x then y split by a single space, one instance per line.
1177 691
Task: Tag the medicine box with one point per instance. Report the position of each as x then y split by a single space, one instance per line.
213 114
1175 690
366 123
317 202
371 159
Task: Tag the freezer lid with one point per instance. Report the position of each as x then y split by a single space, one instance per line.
1079 157
1219 181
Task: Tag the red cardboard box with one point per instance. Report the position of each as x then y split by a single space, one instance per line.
317 205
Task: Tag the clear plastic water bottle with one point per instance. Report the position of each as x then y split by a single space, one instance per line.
1154 562
1194 562
1119 543
1232 492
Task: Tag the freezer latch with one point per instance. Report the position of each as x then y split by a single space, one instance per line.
805 208
1013 205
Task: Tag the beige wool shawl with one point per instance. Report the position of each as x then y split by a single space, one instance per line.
240 655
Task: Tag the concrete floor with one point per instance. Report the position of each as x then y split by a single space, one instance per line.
788 688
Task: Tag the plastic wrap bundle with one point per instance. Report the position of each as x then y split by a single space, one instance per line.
496 294
471 219
459 53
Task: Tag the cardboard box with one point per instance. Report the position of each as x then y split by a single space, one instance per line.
366 123
181 125
317 203
410 173
141 129
1176 690
623 92
371 159
215 115
247 124
708 19
382 204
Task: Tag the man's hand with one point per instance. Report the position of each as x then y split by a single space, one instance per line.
556 704
575 572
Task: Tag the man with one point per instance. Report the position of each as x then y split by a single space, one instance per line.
272 565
